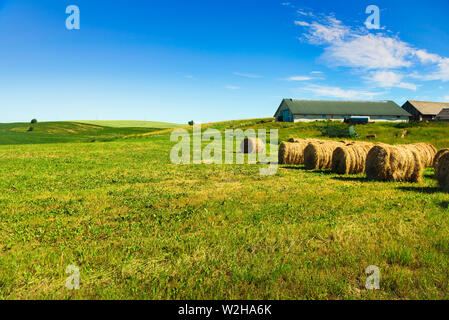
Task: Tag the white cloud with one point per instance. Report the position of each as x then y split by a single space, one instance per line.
389 79
426 57
345 46
302 23
316 72
321 33
446 98
340 93
443 71
298 78
232 87
247 75
369 52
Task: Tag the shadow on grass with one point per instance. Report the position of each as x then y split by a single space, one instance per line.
353 179
294 168
425 190
444 204
329 172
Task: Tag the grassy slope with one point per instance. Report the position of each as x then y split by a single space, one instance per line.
140 227
58 132
133 124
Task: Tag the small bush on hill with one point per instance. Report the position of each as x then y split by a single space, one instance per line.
336 130
34 121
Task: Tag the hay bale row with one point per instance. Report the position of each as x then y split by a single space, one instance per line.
394 163
318 155
437 158
442 170
351 158
426 151
252 145
292 152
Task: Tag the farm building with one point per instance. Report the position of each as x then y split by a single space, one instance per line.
443 115
319 110
424 110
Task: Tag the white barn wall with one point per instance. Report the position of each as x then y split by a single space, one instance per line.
313 118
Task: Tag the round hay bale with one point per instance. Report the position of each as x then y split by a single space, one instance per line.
318 155
426 151
437 158
442 174
252 145
394 163
351 159
292 152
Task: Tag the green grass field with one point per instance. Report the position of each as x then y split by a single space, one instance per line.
139 227
133 124
59 132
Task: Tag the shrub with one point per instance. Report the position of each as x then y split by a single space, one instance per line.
336 130
191 123
30 129
34 121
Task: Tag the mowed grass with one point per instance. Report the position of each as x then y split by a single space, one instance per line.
139 227
133 124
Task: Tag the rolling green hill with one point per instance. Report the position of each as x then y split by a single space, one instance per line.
132 124
58 132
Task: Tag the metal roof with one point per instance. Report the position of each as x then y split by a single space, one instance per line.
444 114
428 107
346 108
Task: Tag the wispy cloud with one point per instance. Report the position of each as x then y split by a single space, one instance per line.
247 75
298 78
337 92
389 79
232 87
287 4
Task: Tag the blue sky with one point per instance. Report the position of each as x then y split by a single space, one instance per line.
214 60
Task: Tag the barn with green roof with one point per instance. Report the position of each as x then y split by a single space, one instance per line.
292 110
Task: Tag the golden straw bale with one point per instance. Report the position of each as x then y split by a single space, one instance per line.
442 173
426 151
351 159
394 163
437 159
252 145
293 152
318 155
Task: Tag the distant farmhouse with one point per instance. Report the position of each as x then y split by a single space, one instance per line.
443 115
319 110
424 110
